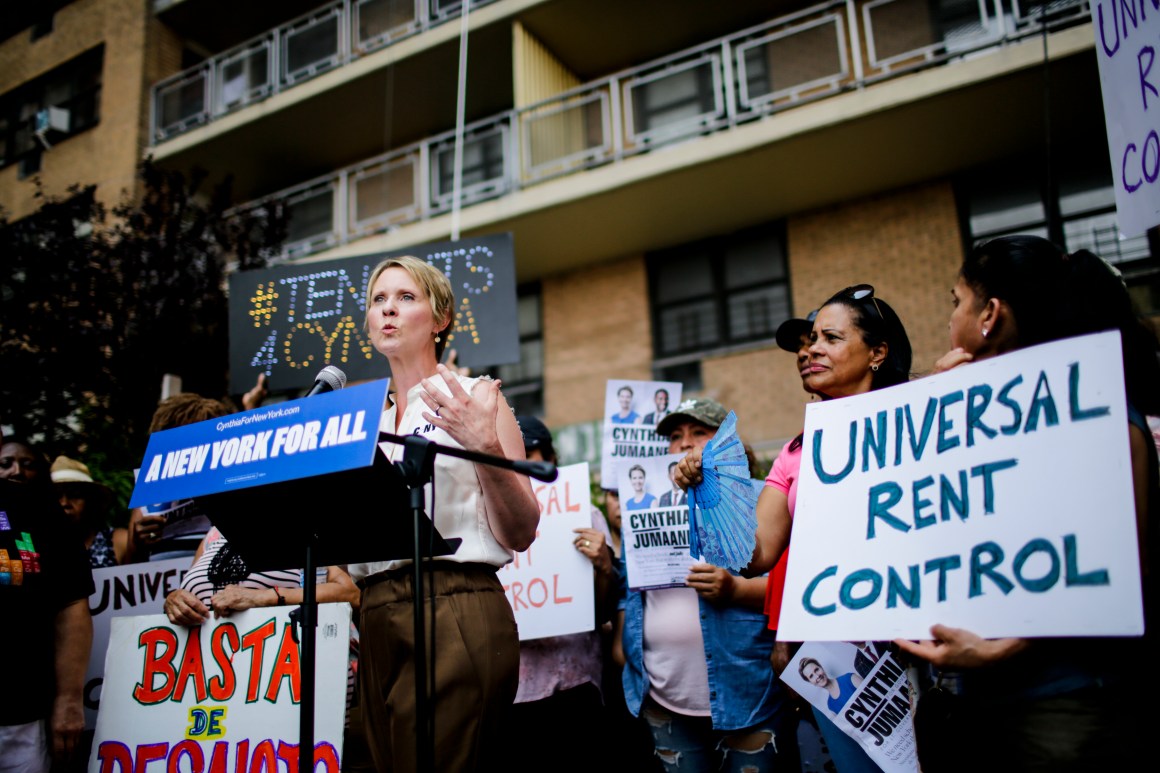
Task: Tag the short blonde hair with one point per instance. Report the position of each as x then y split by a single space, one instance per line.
433 283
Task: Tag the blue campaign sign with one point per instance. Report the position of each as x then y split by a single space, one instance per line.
296 439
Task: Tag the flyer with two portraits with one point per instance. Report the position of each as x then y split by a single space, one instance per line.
636 461
865 692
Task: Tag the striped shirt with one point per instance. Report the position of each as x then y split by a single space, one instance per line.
220 566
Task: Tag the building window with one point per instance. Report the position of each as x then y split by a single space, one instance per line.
483 167
1079 213
51 108
715 294
523 381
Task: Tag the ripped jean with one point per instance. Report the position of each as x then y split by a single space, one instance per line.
687 744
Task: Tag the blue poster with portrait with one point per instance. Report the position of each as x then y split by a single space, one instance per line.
312 436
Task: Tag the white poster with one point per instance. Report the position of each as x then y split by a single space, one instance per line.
864 691
550 584
121 591
632 410
996 497
1126 49
221 696
654 517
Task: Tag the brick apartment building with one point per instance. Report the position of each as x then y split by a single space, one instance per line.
679 175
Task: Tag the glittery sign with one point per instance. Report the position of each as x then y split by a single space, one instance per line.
290 321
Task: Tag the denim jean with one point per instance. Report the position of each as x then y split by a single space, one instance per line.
687 744
848 755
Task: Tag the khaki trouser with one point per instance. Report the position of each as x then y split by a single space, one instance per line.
476 667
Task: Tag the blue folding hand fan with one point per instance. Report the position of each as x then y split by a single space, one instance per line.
723 506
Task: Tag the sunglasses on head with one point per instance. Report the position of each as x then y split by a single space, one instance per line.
860 293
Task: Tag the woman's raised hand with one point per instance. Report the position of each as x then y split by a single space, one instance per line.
468 418
952 359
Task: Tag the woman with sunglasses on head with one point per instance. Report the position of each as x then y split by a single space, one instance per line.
857 344
1047 704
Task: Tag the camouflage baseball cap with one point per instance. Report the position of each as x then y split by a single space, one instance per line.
708 412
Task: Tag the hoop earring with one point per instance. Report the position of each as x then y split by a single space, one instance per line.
874 367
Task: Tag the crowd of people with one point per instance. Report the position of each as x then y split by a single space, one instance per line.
675 679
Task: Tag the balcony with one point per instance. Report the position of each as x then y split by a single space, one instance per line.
750 75
284 57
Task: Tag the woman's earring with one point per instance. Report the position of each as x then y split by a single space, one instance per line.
874 367
985 331
437 338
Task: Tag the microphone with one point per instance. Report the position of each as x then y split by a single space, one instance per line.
328 379
545 471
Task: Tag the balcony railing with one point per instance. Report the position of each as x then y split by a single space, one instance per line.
281 58
789 61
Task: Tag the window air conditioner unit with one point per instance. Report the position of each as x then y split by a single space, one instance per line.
50 119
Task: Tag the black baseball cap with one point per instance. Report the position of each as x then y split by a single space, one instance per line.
536 435
789 333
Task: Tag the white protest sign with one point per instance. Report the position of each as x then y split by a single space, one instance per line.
632 410
656 531
866 694
221 696
996 497
550 584
1127 38
121 591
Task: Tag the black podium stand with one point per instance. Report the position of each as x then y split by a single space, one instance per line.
353 516
323 520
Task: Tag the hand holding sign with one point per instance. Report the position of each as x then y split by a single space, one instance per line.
591 543
712 583
722 507
184 608
234 598
955 648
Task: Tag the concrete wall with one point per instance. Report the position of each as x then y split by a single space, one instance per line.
596 327
138 52
906 243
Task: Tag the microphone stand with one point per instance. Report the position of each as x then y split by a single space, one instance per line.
417 468
309 623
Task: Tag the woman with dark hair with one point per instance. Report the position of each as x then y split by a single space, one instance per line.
696 658
1050 704
1009 294
87 504
22 462
857 344
176 529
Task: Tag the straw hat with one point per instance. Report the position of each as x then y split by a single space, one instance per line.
70 472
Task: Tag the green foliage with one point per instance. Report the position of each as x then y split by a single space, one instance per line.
96 306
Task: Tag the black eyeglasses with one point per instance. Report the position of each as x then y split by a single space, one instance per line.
861 293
